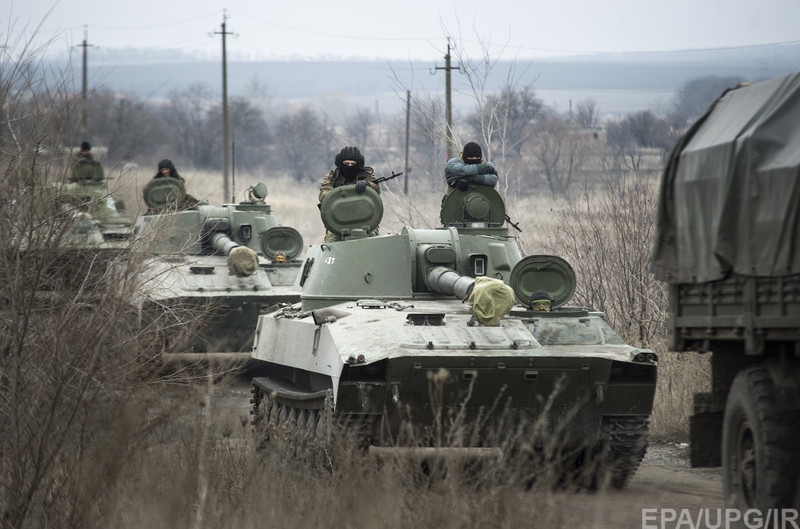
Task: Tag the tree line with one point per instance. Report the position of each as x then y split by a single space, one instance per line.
536 147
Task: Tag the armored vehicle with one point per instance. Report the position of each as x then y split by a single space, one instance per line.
383 340
90 198
211 270
76 228
94 203
726 244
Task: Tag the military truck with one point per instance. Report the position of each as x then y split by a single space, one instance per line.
727 244
210 271
424 342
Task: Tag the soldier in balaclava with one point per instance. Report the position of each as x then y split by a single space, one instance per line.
469 167
350 170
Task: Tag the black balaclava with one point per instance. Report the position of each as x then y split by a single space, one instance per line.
167 163
472 150
350 153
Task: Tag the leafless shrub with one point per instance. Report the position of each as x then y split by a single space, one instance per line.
606 236
77 400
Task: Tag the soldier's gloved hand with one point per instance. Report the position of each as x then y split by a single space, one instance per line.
490 169
361 186
462 185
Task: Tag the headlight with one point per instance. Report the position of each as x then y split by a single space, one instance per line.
645 357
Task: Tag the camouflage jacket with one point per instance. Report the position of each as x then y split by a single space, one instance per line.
86 169
335 179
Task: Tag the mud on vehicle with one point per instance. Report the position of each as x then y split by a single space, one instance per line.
382 343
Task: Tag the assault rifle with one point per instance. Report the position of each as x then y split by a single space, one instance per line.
385 178
515 225
376 181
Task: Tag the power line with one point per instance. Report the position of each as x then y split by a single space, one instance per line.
155 26
641 52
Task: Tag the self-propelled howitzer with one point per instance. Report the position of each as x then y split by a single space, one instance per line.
212 270
395 332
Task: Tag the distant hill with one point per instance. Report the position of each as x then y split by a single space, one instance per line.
619 83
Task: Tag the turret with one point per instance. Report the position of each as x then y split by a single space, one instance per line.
215 268
208 230
474 241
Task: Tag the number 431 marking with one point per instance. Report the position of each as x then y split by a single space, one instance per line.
329 260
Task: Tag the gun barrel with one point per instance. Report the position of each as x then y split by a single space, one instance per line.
223 243
448 281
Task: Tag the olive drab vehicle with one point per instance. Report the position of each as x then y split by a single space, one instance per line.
211 271
87 223
382 317
95 203
727 243
111 226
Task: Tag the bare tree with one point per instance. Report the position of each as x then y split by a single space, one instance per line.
625 151
303 143
697 94
251 137
357 128
127 126
194 136
503 121
560 152
508 117
586 113
637 131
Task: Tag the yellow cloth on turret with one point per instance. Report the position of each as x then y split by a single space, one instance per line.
242 261
491 299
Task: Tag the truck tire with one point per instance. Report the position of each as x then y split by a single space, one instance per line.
759 445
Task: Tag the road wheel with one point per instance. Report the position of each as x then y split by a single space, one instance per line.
759 445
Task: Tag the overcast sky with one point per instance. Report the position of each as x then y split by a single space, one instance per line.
403 29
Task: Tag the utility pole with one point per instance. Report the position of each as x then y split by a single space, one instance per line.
408 128
225 158
448 100
85 88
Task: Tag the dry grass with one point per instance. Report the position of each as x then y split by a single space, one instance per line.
123 450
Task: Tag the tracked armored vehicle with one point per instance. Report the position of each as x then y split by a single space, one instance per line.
76 230
96 205
211 270
383 341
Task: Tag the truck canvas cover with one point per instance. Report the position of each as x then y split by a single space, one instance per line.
730 194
